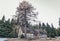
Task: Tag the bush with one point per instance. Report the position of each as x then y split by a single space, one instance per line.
22 36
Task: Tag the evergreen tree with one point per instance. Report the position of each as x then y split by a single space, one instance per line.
35 26
6 28
39 25
53 31
25 13
43 26
3 18
48 29
58 31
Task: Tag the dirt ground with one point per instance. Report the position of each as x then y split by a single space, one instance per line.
15 39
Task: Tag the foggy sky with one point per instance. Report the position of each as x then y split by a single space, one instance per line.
49 10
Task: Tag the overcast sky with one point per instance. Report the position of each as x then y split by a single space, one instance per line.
49 10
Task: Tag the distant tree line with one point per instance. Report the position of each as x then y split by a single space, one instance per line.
7 26
51 30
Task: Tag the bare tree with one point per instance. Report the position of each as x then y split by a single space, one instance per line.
25 14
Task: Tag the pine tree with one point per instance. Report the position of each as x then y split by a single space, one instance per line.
49 30
6 28
3 18
39 25
53 31
43 26
24 14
